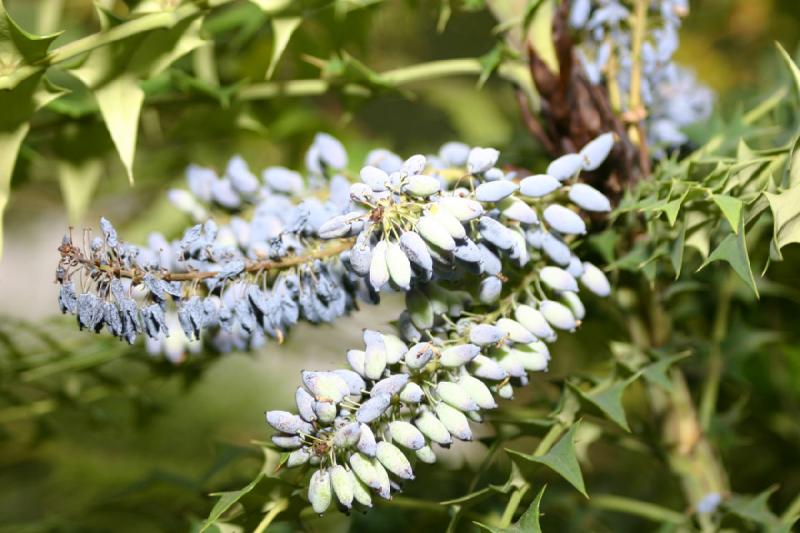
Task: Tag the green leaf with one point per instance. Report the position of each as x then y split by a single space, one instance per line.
733 250
792 66
19 51
754 508
791 176
282 29
785 208
676 255
539 31
490 62
113 73
527 523
226 501
120 102
561 458
608 398
731 208
656 372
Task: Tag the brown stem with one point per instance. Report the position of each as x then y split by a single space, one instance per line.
136 274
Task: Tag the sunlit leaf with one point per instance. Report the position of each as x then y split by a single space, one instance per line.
282 29
562 459
731 208
795 71
785 208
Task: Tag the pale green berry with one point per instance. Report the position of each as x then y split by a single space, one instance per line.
487 368
535 322
506 392
411 393
455 395
399 266
420 309
558 315
364 469
355 359
515 331
575 304
426 455
454 420
319 491
297 458
433 428
448 222
464 209
394 460
478 391
433 232
395 348
343 485
378 266
459 355
405 434
361 492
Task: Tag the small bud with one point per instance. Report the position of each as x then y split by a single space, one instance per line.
426 455
366 441
389 386
419 355
464 209
558 279
596 151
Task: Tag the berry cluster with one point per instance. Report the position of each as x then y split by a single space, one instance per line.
671 94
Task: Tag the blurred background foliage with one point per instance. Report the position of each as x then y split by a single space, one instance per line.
96 437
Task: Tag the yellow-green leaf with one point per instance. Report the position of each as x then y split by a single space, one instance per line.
785 208
731 208
120 102
282 30
792 66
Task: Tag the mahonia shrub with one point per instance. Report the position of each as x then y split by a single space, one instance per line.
490 261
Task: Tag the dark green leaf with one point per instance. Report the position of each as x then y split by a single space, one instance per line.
733 250
561 458
226 501
527 523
